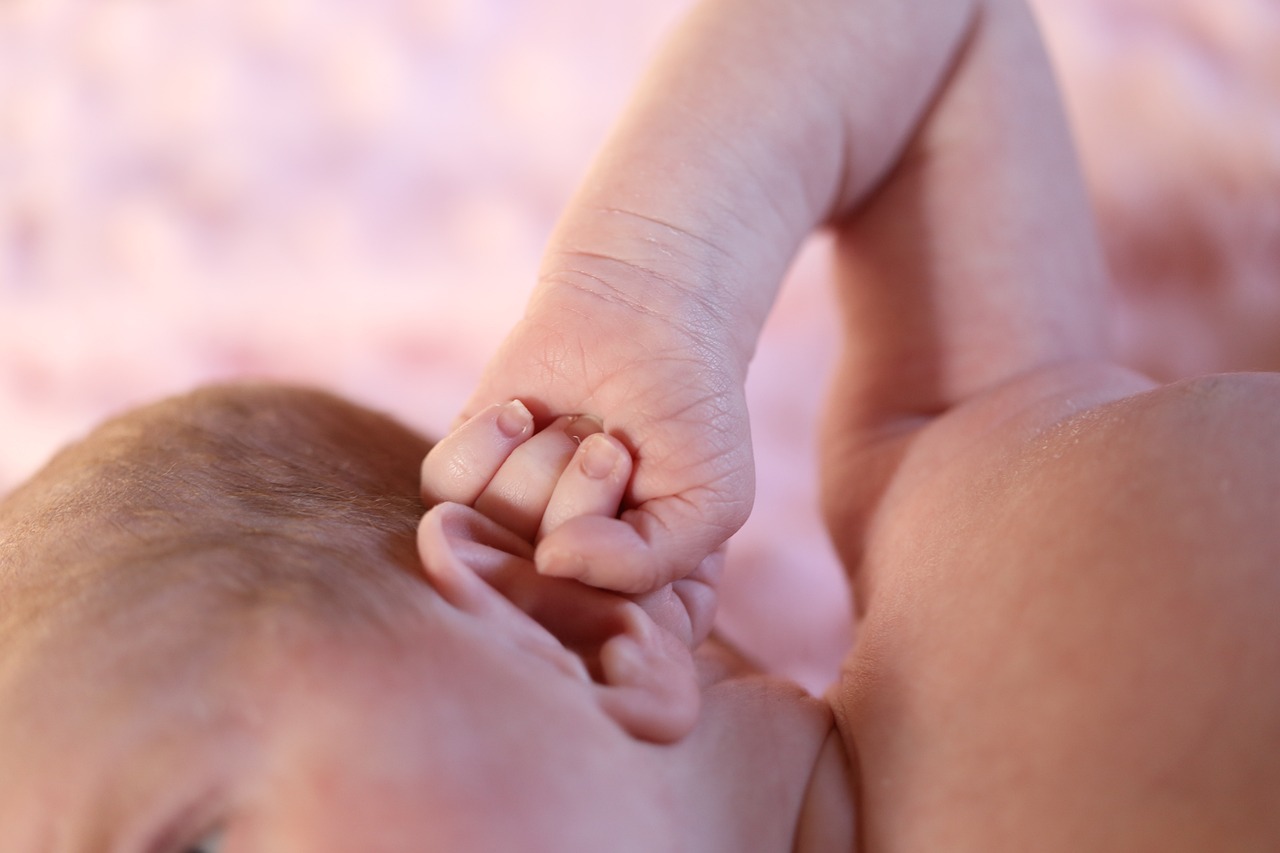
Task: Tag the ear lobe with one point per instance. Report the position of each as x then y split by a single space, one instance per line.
461 552
644 676
648 681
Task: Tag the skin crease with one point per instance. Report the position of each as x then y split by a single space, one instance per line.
1067 639
663 345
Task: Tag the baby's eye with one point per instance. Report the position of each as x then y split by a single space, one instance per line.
211 843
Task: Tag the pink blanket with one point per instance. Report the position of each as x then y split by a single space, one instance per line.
355 195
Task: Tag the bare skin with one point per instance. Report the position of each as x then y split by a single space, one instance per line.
760 123
1066 572
1037 634
208 706
1064 569
1107 691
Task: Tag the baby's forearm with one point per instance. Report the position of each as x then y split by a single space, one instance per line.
760 122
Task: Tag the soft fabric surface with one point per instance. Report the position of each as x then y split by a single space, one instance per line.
355 195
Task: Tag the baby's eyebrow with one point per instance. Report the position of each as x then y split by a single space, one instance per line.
192 825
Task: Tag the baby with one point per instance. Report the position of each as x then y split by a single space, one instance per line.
218 632
217 635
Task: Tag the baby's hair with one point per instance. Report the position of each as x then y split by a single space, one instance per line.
270 501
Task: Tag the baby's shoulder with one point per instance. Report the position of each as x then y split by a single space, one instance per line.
1203 447
1072 444
1070 577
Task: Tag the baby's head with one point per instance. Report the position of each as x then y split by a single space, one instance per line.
213 619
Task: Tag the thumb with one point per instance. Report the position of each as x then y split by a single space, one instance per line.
657 543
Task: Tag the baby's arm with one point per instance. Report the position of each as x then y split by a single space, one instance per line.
762 121
974 275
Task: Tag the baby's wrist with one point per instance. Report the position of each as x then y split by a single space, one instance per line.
650 307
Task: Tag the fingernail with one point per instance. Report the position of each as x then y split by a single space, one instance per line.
599 458
582 426
514 419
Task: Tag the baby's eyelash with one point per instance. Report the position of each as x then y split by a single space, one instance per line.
210 843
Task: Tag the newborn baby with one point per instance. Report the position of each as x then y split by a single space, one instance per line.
217 634
216 630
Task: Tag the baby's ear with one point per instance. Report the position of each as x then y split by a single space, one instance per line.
642 675
648 682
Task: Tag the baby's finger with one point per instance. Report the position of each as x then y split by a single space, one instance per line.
700 595
686 608
636 553
592 484
463 463
518 494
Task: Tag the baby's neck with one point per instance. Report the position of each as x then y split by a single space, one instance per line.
765 771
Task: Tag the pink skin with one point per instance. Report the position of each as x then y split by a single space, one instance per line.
1064 569
532 483
501 710
316 742
480 560
496 463
1067 573
662 269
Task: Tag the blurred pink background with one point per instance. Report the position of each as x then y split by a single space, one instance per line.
354 194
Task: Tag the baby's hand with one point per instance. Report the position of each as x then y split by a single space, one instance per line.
533 482
668 384
529 482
